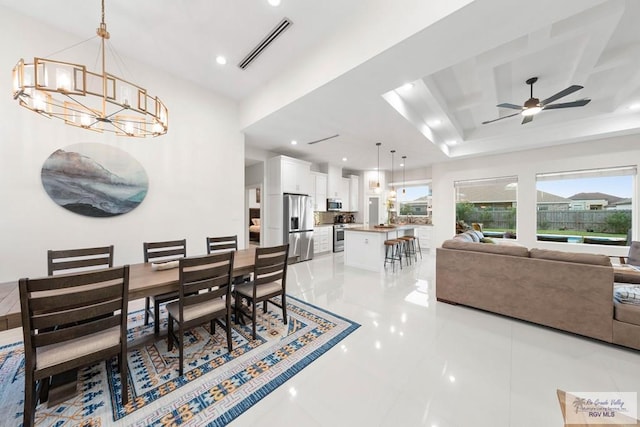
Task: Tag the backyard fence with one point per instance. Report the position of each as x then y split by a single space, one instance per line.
612 221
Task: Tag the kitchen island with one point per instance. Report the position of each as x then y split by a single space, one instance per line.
364 246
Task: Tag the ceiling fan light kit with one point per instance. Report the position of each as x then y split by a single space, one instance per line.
533 106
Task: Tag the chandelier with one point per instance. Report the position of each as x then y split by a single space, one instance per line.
89 100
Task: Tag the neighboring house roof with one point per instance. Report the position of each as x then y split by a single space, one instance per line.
621 202
596 196
502 194
544 197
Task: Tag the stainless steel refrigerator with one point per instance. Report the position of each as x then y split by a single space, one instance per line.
298 226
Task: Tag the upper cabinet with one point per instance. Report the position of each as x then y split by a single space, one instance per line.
354 192
344 194
319 193
334 182
289 175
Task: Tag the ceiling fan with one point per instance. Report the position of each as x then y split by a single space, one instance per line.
533 106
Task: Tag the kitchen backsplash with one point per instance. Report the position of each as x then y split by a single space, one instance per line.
327 217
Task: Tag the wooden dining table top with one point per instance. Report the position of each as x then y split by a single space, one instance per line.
144 281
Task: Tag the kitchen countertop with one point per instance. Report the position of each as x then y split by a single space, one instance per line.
372 229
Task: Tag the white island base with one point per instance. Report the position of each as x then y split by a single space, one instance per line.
364 246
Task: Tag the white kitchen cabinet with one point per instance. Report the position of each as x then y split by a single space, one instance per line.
319 193
354 193
334 181
288 175
424 234
344 194
322 237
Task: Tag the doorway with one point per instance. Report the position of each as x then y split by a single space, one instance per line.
254 215
374 217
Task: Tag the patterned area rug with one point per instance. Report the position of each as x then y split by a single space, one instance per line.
217 386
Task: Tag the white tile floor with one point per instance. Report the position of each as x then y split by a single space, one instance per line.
417 362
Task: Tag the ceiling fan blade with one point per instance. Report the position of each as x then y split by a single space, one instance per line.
562 93
579 103
508 105
527 119
500 118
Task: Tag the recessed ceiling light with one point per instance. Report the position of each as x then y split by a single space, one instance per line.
221 60
452 142
344 159
294 142
407 86
274 3
435 122
401 165
634 106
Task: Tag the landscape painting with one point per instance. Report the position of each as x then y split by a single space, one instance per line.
94 180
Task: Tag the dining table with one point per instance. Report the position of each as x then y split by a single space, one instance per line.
144 281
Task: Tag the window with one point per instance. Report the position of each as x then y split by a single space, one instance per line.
488 204
415 201
588 206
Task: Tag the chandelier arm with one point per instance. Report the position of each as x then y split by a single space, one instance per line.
118 58
116 112
70 47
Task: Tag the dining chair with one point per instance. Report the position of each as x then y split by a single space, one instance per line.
167 251
204 295
269 281
76 260
70 321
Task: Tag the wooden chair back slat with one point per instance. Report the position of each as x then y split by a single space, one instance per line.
210 274
56 283
75 330
165 251
69 300
80 314
225 243
78 259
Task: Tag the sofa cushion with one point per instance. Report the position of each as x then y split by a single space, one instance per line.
570 257
520 251
628 313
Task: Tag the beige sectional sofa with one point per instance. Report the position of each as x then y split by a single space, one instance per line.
568 291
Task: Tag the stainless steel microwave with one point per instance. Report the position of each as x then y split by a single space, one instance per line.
334 205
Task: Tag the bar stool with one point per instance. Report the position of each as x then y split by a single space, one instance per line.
417 245
393 252
409 247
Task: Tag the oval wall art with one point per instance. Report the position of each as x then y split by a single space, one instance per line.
95 180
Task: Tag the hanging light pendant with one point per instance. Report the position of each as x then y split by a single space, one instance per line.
404 165
97 101
392 194
378 190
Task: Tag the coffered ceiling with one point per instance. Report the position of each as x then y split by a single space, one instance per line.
324 75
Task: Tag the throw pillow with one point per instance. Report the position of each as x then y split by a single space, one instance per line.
487 240
473 235
463 237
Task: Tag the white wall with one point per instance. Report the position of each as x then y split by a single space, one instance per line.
196 171
620 151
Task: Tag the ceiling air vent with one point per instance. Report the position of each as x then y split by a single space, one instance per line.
274 34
